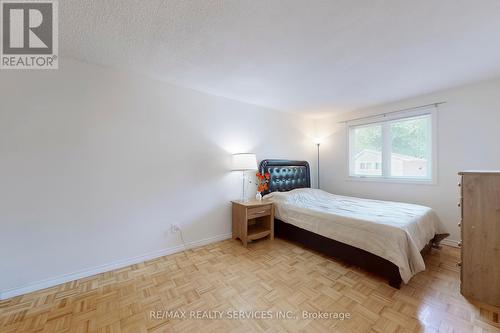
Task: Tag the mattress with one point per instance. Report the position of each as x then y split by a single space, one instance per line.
394 231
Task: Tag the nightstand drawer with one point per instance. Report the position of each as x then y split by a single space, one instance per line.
258 211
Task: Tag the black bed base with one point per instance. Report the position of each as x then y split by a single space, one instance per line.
346 253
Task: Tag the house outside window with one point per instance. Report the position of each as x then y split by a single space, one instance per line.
401 147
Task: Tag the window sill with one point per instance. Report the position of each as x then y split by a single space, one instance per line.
392 180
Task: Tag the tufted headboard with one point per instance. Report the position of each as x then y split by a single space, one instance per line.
286 175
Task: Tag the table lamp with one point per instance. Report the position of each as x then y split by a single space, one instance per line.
244 162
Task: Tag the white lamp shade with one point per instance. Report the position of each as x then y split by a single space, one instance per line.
244 162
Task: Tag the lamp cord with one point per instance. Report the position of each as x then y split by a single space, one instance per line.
182 239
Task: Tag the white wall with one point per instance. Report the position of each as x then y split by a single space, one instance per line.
468 138
95 164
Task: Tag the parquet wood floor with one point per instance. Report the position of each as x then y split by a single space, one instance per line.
267 276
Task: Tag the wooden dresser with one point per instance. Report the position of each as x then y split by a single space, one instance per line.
480 230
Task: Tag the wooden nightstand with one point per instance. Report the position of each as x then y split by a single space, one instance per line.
253 220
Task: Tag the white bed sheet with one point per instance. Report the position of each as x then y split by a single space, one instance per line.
394 231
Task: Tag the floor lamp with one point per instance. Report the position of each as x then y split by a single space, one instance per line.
244 162
318 143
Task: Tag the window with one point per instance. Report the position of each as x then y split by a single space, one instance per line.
396 148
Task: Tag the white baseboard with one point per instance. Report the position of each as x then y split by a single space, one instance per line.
47 283
450 242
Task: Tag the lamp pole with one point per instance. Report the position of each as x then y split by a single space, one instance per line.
243 198
317 145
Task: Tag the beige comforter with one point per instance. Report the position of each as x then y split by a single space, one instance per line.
394 231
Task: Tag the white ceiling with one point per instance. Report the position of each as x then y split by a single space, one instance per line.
305 56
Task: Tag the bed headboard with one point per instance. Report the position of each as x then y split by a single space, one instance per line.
286 175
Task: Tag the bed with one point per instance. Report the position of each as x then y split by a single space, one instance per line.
382 237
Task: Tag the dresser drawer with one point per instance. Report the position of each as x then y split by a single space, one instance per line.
258 212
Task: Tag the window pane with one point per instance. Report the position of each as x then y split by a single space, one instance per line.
367 150
410 147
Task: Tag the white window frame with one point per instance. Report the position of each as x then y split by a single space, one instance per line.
385 121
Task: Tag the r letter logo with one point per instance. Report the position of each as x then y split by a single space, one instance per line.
29 35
